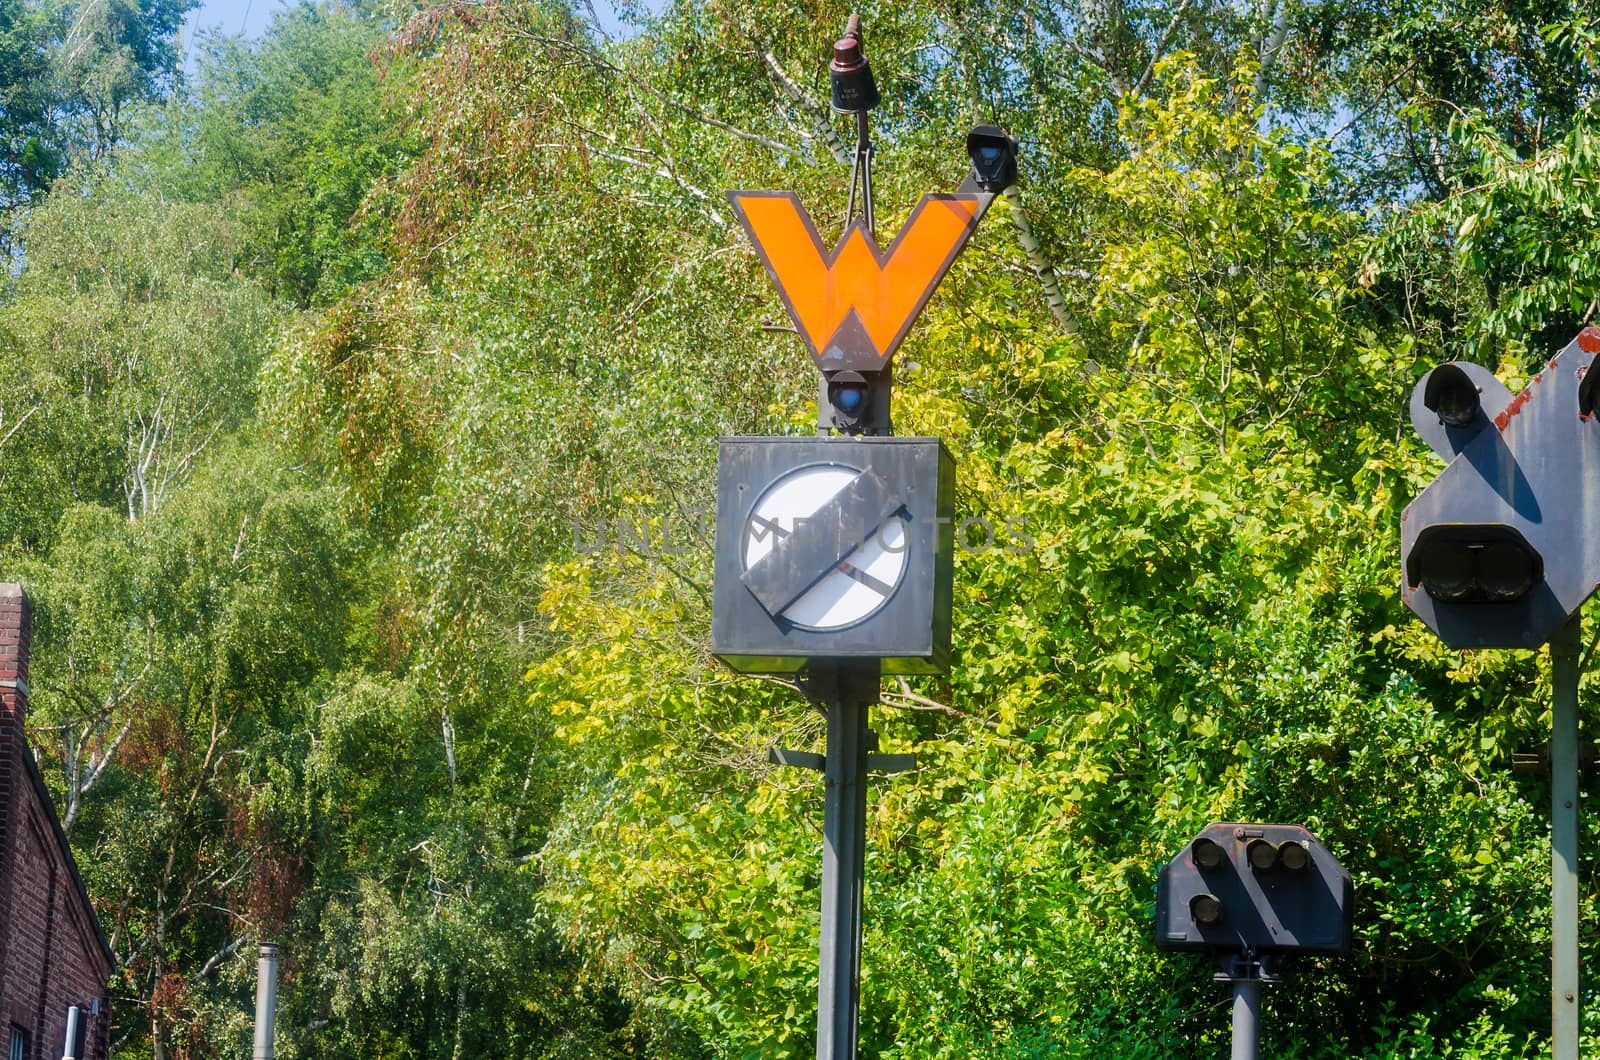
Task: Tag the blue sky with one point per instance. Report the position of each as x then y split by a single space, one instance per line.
249 17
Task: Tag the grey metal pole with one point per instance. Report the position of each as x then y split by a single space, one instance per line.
846 694
1564 993
266 1001
864 167
69 1049
1246 1019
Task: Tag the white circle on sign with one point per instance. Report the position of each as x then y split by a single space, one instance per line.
861 583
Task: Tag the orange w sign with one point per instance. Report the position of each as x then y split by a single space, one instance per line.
854 306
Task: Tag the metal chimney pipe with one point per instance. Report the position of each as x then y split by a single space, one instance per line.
266 1001
69 1050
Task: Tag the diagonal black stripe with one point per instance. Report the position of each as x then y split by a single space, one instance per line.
878 585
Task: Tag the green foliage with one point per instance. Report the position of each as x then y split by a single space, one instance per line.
107 55
1224 274
30 157
1525 229
299 123
1392 79
68 73
324 386
167 648
131 346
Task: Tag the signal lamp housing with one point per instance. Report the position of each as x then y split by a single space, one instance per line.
847 392
1453 404
856 402
1261 855
1450 394
1502 548
1254 889
1293 856
1488 563
853 88
1588 386
994 157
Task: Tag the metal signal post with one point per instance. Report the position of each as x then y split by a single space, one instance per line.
1564 995
845 693
1501 551
835 554
1251 895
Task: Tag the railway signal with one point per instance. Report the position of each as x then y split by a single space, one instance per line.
1252 895
1501 551
834 554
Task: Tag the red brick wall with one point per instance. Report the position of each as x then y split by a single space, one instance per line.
16 637
16 616
51 953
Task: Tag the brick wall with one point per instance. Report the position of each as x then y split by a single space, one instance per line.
16 637
15 617
52 954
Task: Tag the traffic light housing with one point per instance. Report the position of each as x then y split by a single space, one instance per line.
1254 888
1504 545
993 152
856 403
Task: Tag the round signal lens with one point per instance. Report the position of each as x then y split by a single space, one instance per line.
1449 571
1205 909
1207 854
1505 571
1261 854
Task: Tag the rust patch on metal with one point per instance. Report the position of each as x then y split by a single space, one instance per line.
1589 340
1515 407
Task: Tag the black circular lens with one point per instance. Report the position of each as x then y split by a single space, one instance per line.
1261 854
1207 854
1505 570
1205 909
1449 571
1452 395
1294 856
1458 405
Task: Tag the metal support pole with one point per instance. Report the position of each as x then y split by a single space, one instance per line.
1246 1019
864 168
1246 973
266 1001
845 693
69 1049
1564 993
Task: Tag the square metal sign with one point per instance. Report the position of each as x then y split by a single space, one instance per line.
833 548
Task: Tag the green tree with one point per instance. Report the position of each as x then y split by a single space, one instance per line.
30 156
105 56
300 125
